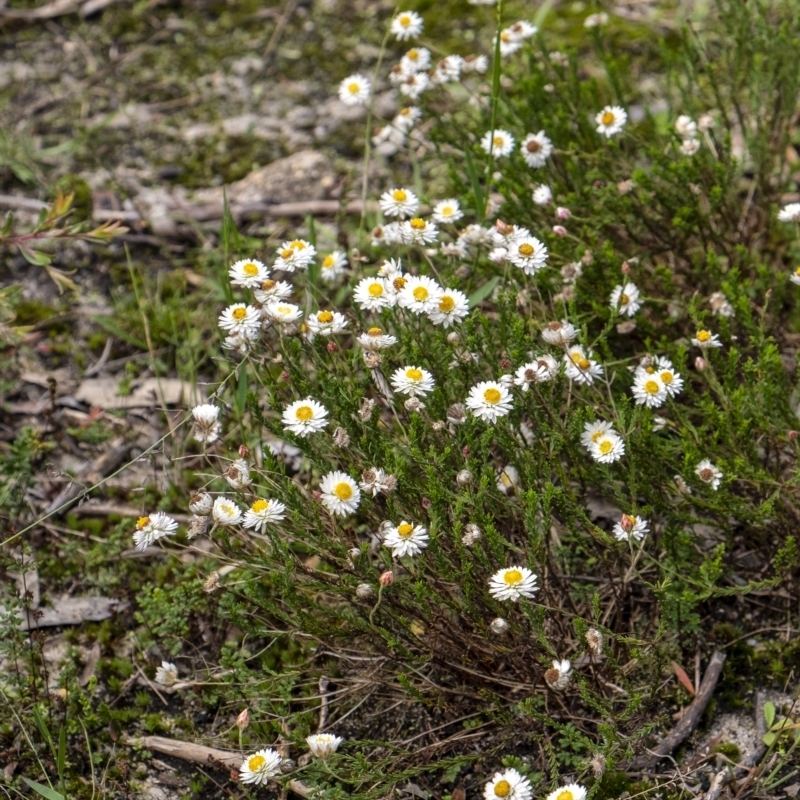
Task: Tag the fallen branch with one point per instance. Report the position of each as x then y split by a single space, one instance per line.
690 719
200 754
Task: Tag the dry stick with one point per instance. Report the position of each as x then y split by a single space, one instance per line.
200 754
324 683
691 717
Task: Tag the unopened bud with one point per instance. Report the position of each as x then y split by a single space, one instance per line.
438 425
332 347
340 437
414 404
700 363
627 523
243 720
625 268
472 534
364 591
387 578
285 376
212 583
464 478
793 434
502 228
594 641
287 765
498 626
563 213
560 231
354 553
453 338
373 359
316 495
456 413
367 406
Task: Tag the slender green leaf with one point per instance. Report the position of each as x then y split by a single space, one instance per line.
481 293
62 751
44 791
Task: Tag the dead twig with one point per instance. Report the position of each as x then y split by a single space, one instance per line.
200 754
691 717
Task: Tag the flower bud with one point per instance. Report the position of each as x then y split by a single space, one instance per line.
387 578
464 478
340 437
498 626
243 720
472 534
563 213
594 641
364 591
453 338
414 404
332 347
244 451
285 376
560 231
700 363
354 553
212 583
793 434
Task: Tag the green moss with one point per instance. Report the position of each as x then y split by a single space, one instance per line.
29 312
729 750
611 786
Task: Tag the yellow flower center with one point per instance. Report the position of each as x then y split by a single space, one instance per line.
565 795
284 310
259 506
511 578
405 20
498 141
417 224
353 88
597 435
325 316
267 285
250 269
297 245
413 54
399 195
327 262
533 146
651 387
421 294
526 249
375 289
142 522
399 283
606 446
404 112
703 336
414 374
446 211
304 413
239 314
492 395
344 491
227 509
624 300
447 304
666 377
607 118
405 530
374 332
797 272
505 37
288 253
254 763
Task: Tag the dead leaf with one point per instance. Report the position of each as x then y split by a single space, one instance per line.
793 790
148 393
680 674
92 657
71 611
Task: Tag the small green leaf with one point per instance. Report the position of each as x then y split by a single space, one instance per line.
480 294
769 713
44 791
62 751
769 739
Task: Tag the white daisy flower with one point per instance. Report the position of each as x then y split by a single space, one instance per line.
406 118
304 417
790 213
611 120
607 448
371 294
332 266
420 294
259 767
509 44
167 674
282 313
206 423
262 513
447 211
507 479
595 21
416 60
340 493
625 299
523 30
527 253
705 340
418 231
326 323
376 339
323 745
151 528
559 333
489 401
536 149
508 784
544 369
512 583
451 308
272 290
238 475
572 791
295 254
542 195
708 473
240 319
448 70
686 127
498 143
413 381
248 273
475 63
673 383
407 25
414 85
690 146
630 527
226 512
399 203
558 676
720 306
406 539
355 90
580 366
241 342
592 431
201 504
375 481
794 278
